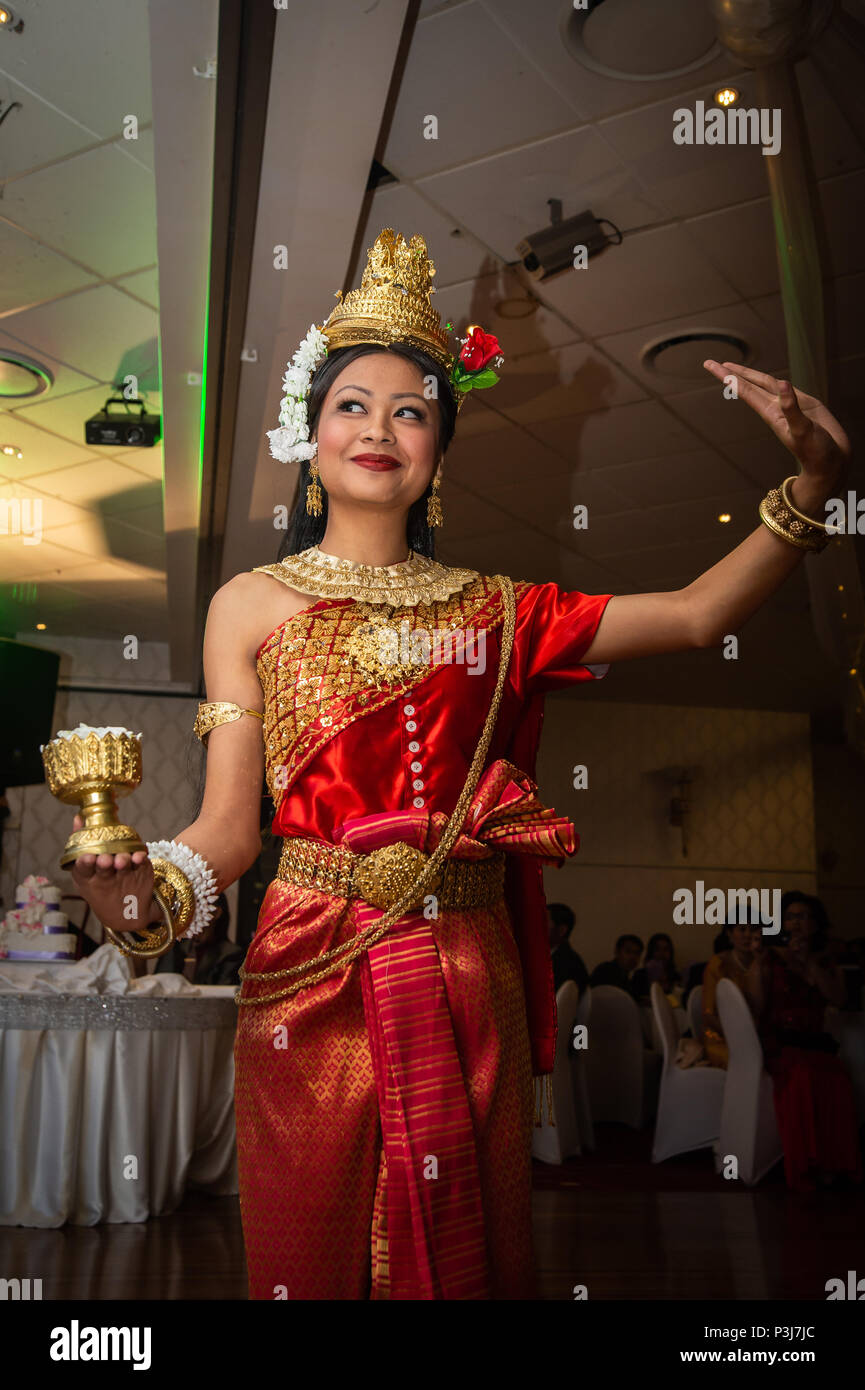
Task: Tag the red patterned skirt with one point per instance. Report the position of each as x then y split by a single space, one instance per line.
384 1115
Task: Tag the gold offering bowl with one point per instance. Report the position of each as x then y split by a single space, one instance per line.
93 772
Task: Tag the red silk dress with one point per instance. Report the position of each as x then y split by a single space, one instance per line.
384 1114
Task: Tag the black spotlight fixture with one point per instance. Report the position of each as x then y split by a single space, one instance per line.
112 430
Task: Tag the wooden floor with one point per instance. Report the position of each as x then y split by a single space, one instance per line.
612 1221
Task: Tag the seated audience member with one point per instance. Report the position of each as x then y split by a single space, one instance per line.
694 972
659 967
216 959
730 963
618 971
567 964
813 1095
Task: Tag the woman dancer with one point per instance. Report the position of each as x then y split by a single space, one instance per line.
397 996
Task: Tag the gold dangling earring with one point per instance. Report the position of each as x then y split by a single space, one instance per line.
313 491
433 505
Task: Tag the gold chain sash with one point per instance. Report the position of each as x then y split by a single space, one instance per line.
340 957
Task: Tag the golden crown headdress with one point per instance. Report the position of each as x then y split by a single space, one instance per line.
392 305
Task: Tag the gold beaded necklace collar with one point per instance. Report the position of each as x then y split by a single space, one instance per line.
415 580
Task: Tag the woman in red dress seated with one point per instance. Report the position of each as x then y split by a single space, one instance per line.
813 1095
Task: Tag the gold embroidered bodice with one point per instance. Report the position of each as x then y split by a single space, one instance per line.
313 688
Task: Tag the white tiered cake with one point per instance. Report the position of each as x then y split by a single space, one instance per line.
35 929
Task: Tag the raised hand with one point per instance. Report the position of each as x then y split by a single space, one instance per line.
118 887
802 423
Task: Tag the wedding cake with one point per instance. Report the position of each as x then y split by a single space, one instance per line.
36 929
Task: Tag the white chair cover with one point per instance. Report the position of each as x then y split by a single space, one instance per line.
748 1128
689 1106
553 1143
623 1073
580 1074
695 1011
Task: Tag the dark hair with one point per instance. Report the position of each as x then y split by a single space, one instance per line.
561 915
305 530
653 942
722 942
628 936
822 926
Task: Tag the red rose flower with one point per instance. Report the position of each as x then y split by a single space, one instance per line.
479 349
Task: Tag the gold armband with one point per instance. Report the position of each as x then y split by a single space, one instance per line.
218 712
779 513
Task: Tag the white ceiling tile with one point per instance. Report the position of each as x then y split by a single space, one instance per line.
111 538
564 381
32 273
36 133
147 518
504 198
551 505
66 415
536 27
688 178
102 483
478 301
656 480
738 320
619 435
144 285
110 229
456 257
459 68
52 511
466 513
717 418
43 452
150 462
94 69
722 236
502 458
19 560
101 331
651 276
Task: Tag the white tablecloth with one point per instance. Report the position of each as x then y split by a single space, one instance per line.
112 1104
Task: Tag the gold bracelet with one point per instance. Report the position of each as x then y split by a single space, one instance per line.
790 506
781 517
156 940
215 712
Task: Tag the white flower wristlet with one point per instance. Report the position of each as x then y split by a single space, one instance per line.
200 876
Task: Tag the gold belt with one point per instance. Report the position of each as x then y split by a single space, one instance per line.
384 875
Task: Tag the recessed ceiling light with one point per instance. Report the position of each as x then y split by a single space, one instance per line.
683 354
10 21
725 516
639 40
726 96
40 627
12 451
21 376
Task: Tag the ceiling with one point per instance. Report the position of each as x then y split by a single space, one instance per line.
577 416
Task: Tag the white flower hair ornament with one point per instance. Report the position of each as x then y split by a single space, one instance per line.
290 442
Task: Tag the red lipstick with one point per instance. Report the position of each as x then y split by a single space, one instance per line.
378 462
